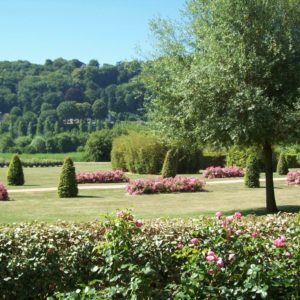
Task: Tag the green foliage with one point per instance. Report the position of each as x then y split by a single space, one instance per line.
138 153
159 261
99 145
170 164
252 172
67 187
238 156
282 165
189 160
15 175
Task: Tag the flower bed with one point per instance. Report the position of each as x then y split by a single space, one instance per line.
165 185
293 178
102 177
219 172
3 193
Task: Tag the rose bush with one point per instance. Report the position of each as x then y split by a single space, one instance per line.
219 172
123 257
3 192
102 177
165 185
293 178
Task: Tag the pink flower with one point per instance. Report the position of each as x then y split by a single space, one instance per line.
230 219
211 253
195 241
210 271
210 258
288 254
139 223
220 263
283 238
239 232
279 243
254 234
119 214
179 245
219 214
237 215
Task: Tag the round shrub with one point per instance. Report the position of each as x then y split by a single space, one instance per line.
3 193
98 146
15 175
67 187
252 173
282 165
169 168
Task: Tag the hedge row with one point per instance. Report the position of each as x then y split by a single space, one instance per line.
161 259
34 163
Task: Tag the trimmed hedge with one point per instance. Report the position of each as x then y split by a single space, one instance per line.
34 163
37 259
252 173
138 153
169 168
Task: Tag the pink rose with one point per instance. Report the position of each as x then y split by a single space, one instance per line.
139 223
219 214
195 241
230 219
237 215
279 243
210 258
179 245
210 271
239 232
220 263
254 234
211 253
288 254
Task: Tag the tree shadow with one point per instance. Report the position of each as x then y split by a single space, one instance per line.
261 211
88 196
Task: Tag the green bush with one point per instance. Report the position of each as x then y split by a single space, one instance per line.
169 168
282 165
202 259
15 175
138 153
212 159
99 145
67 187
189 160
238 156
39 145
252 173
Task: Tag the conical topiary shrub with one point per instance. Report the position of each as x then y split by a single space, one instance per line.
252 172
15 175
169 168
282 166
67 187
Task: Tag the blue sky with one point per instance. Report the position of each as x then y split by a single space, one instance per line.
106 30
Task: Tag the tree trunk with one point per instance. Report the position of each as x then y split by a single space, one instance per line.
270 195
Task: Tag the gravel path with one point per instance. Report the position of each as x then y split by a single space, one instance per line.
119 186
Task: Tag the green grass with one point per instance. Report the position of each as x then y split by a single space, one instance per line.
76 156
93 204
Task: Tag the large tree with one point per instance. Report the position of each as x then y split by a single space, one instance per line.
229 73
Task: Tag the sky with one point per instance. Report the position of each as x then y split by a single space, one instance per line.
106 30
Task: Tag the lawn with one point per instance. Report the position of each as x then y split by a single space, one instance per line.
93 204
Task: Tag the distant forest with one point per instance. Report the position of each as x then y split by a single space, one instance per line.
66 94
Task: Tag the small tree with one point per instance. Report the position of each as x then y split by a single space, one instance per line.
67 187
282 166
252 173
169 168
15 175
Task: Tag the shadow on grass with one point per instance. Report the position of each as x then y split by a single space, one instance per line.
88 196
261 211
